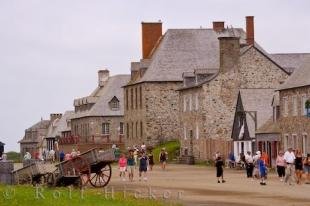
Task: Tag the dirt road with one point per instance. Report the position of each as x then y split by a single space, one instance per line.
197 185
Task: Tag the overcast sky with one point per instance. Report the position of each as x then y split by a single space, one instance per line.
50 51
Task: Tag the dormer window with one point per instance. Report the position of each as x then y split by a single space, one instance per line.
114 104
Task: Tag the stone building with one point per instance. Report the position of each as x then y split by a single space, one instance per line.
294 112
33 138
209 93
288 123
58 129
98 120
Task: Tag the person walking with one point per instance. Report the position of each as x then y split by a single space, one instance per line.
163 157
307 168
130 165
262 170
219 164
289 158
151 160
249 164
256 159
298 166
122 163
280 163
143 167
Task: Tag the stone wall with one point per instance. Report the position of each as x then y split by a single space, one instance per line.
294 126
154 107
218 100
89 129
257 71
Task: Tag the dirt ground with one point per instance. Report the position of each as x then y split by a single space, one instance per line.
197 185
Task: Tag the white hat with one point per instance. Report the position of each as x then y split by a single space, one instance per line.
258 152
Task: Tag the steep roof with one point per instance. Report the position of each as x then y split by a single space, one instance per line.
113 88
300 77
59 125
183 50
290 61
42 124
258 100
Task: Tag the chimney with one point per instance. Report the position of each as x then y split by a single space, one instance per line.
55 116
229 53
151 33
250 30
103 76
218 26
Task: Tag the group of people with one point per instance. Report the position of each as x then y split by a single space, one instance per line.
142 159
292 164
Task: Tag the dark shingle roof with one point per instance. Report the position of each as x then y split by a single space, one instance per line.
290 61
103 95
300 77
184 50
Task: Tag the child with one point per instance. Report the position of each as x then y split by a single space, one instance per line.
219 169
262 170
122 162
143 166
131 165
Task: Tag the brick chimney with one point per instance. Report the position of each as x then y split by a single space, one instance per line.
151 33
218 26
103 76
250 30
229 53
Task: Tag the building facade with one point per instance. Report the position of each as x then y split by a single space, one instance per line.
242 64
98 120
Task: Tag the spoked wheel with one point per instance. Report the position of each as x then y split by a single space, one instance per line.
102 177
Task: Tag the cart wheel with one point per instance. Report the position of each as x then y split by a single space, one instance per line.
102 177
51 179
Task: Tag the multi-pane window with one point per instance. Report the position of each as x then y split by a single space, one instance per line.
305 144
121 128
294 141
136 97
114 103
285 106
197 131
131 98
140 97
126 98
184 103
305 102
286 143
190 102
105 128
127 130
185 135
295 106
141 129
196 102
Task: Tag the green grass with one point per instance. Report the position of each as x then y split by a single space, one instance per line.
29 195
172 147
15 156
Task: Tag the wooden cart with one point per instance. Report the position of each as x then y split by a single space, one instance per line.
33 173
93 166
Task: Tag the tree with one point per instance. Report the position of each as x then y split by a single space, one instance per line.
307 106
